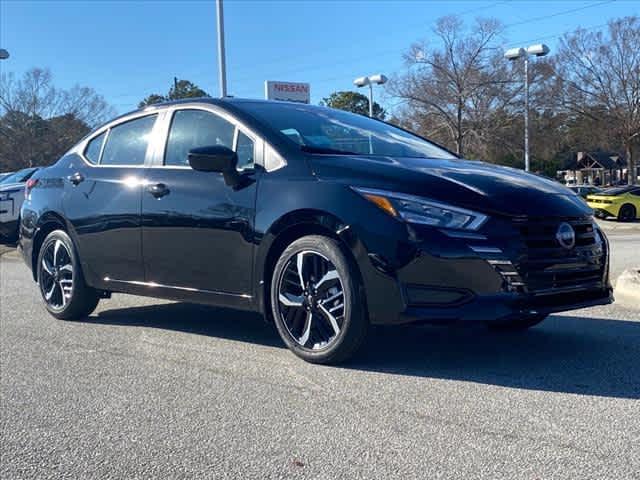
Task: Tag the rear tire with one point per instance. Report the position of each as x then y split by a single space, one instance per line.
318 301
627 213
62 286
515 325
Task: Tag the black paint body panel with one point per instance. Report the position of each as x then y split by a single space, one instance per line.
205 241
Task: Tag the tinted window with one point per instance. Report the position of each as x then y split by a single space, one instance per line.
92 151
127 143
193 129
325 130
244 149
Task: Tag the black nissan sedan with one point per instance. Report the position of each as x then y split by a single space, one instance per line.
326 222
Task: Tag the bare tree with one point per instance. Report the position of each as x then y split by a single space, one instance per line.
450 88
38 122
600 77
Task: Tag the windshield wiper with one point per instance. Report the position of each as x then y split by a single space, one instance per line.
314 149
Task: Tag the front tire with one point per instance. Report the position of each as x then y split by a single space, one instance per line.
515 325
64 292
317 300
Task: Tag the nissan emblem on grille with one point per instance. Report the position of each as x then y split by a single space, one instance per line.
566 236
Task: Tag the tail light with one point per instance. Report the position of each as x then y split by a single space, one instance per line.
31 183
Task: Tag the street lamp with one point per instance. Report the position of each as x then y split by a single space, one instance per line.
3 54
378 79
539 50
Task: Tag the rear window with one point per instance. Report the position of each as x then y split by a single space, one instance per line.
19 177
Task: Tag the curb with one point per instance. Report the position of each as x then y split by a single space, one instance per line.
627 290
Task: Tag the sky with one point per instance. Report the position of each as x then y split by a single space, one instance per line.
126 50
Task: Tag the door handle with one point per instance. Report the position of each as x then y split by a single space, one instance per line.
158 190
76 178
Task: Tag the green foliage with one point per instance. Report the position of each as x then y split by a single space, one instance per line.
353 102
152 99
180 89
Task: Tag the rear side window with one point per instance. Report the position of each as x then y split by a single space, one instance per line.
127 143
193 129
92 152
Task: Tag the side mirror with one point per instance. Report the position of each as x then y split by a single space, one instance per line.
216 158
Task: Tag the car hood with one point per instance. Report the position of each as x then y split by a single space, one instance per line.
476 185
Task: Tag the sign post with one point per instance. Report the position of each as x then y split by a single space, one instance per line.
287 91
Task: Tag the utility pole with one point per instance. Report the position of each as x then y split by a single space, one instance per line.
222 67
526 114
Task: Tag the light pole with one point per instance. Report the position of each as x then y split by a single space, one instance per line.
3 54
378 79
539 50
222 63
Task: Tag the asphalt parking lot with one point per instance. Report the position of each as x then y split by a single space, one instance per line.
146 388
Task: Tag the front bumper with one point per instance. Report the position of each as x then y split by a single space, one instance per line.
507 306
512 273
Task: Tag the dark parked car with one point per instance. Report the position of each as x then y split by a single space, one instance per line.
322 220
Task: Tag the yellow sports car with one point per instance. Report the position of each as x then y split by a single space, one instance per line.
621 202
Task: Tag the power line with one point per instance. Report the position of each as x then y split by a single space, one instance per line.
395 51
558 14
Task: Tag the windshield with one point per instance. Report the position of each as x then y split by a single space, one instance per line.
325 130
18 177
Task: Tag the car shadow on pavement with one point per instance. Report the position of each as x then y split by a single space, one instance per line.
196 319
581 355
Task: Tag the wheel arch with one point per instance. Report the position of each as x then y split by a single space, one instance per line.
48 222
287 229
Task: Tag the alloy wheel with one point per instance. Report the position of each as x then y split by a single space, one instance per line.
56 275
311 300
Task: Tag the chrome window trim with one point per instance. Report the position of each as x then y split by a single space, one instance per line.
213 109
80 148
263 150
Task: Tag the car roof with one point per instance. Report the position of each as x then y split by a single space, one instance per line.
224 101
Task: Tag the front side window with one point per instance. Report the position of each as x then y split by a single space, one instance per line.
244 149
127 143
92 152
193 129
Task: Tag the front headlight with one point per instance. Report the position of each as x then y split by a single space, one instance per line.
415 209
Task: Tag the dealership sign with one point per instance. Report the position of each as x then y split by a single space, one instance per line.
287 91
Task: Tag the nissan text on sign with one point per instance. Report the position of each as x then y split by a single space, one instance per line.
287 91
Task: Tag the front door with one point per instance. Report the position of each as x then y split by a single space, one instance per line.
197 231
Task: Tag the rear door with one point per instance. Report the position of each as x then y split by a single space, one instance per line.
197 231
103 194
